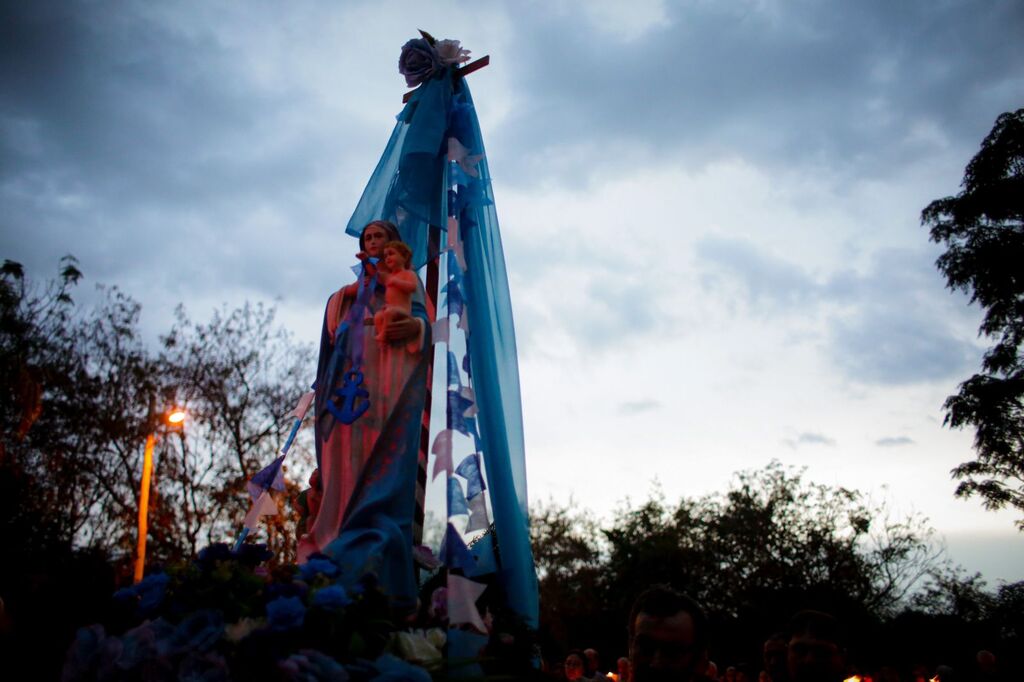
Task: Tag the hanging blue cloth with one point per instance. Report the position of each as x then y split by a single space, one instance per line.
410 187
495 370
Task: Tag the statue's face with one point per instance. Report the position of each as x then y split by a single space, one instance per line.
374 239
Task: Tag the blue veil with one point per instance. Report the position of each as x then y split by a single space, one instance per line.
416 186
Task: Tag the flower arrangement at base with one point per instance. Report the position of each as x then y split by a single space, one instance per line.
224 617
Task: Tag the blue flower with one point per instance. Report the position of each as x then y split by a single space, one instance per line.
151 591
312 666
285 613
208 667
84 651
317 564
331 597
418 61
218 551
293 589
394 669
148 642
253 554
199 631
147 594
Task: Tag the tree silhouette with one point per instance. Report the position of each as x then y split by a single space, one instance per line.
982 228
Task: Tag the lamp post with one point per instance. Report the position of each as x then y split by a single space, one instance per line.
174 417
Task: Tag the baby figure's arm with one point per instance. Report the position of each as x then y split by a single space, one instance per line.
403 280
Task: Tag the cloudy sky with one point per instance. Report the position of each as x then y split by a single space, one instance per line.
710 210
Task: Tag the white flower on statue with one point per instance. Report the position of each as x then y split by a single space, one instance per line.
451 52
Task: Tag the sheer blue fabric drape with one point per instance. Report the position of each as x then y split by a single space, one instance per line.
410 188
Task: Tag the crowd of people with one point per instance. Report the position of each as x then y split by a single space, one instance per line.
669 640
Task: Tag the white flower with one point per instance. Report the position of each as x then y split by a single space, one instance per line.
415 648
236 632
451 52
436 636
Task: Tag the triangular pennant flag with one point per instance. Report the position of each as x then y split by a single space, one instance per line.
440 332
468 393
302 406
456 150
453 370
443 449
454 552
469 469
458 174
478 514
456 302
263 506
270 476
462 596
453 231
453 297
460 256
470 424
455 269
456 415
456 500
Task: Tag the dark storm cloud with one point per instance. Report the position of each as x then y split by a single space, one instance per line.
131 140
891 324
834 83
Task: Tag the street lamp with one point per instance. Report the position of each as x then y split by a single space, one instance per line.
175 418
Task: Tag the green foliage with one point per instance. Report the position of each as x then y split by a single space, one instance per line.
982 229
771 533
237 374
82 390
752 556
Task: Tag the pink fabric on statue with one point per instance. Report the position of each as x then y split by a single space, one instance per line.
386 368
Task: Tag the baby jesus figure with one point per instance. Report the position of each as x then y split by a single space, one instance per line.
400 284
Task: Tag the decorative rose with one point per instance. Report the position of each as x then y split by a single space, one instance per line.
451 52
418 61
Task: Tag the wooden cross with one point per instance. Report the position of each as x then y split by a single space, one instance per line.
460 72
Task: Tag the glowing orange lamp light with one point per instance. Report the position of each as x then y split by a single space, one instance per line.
175 417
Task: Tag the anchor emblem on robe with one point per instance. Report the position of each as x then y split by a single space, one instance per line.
344 407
